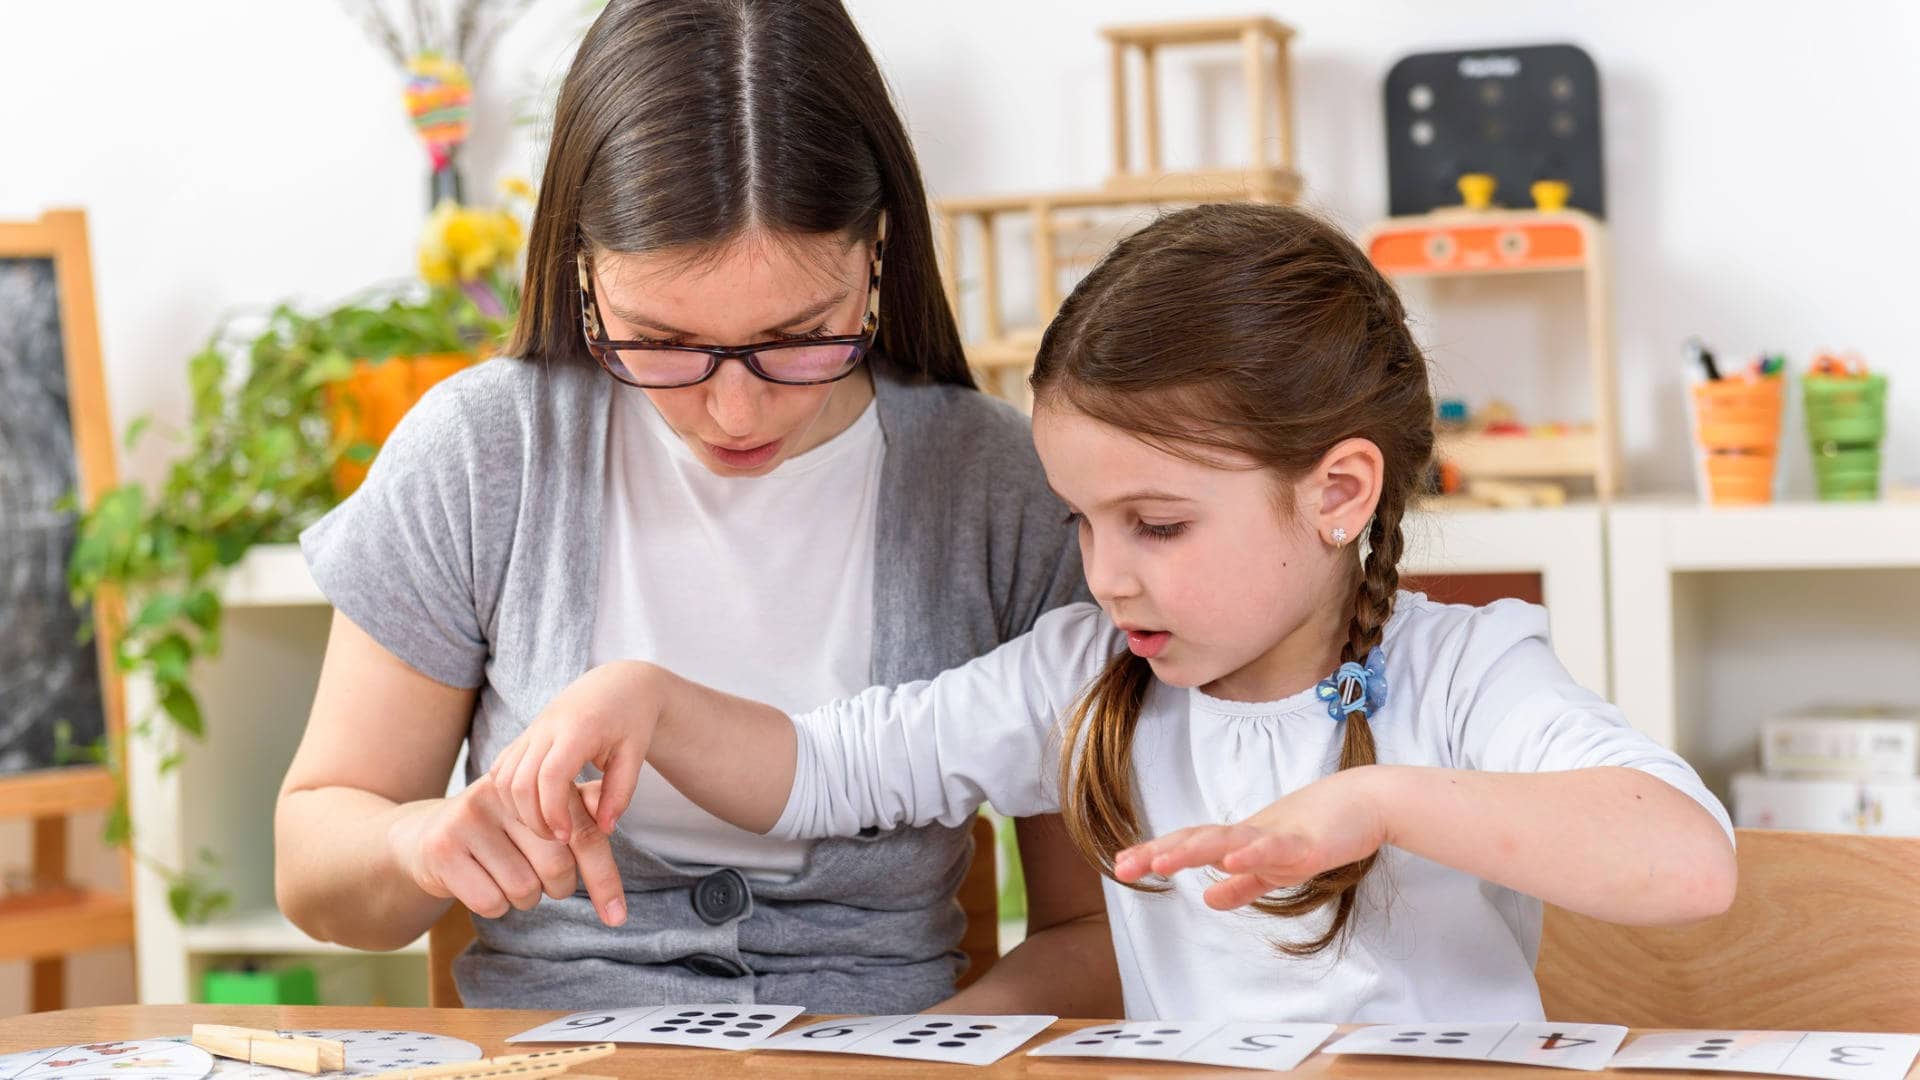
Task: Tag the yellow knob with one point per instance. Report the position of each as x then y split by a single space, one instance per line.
1476 190
1551 195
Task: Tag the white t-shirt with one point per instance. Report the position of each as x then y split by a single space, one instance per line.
1471 688
760 585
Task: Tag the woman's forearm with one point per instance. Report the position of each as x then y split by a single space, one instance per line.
336 872
733 757
1614 843
1067 970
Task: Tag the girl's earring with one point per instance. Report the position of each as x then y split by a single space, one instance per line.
1339 536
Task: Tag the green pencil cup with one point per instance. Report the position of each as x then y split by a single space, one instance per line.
1846 422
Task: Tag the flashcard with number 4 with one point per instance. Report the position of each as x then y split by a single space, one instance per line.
959 1040
1826 1055
1274 1047
1559 1046
725 1027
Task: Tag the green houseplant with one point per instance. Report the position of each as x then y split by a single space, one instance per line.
261 457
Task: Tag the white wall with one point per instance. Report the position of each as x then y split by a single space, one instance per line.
232 153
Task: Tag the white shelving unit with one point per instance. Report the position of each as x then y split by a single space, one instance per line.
1565 545
256 697
1724 616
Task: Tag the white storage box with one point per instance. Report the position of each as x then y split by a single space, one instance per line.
1860 744
1871 807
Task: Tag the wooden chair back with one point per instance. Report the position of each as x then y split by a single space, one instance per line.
1822 936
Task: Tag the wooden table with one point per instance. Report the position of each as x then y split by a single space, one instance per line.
490 1028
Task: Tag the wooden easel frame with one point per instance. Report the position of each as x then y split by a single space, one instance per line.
55 920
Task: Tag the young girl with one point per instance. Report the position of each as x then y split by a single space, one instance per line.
1228 403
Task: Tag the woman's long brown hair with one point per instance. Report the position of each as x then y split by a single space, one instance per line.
685 123
1265 332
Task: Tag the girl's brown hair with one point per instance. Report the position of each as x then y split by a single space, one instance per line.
1259 331
687 122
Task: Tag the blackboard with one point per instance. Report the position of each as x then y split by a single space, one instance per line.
55 439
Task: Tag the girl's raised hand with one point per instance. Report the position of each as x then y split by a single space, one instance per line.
1329 823
604 719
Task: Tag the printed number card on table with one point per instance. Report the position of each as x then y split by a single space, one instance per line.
1273 1047
1825 1055
960 1040
724 1027
1543 1042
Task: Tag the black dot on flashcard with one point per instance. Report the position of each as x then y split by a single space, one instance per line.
950 1043
1455 1034
907 1042
1405 1039
676 1020
1449 1042
735 1034
1166 1031
751 1026
1411 1034
668 1029
966 1034
713 1023
922 1033
1128 1035
1087 1042
1707 1056
1151 1042
727 1015
696 1012
1719 1042
1102 1031
983 1027
761 1016
939 1023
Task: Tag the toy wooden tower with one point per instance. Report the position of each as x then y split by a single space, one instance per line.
1266 72
1067 231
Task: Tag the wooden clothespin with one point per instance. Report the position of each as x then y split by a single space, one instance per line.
258 1047
531 1066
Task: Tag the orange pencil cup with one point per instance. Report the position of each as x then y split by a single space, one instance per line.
1738 424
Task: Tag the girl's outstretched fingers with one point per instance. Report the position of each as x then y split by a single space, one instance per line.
1236 891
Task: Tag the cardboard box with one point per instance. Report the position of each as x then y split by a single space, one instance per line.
1857 744
1868 807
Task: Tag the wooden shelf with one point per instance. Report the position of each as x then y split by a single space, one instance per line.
53 922
1195 31
1455 242
1524 457
266 931
50 792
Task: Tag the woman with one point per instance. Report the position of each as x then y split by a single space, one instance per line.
731 440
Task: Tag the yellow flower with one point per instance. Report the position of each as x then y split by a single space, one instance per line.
464 243
516 187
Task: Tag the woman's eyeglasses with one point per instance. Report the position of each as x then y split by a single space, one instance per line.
790 361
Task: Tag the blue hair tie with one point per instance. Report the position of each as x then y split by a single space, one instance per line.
1356 687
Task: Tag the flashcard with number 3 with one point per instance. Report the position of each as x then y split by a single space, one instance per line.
1824 1055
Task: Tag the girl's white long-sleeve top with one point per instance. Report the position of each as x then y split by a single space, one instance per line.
1469 688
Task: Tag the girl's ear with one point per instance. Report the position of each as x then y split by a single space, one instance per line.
1343 489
